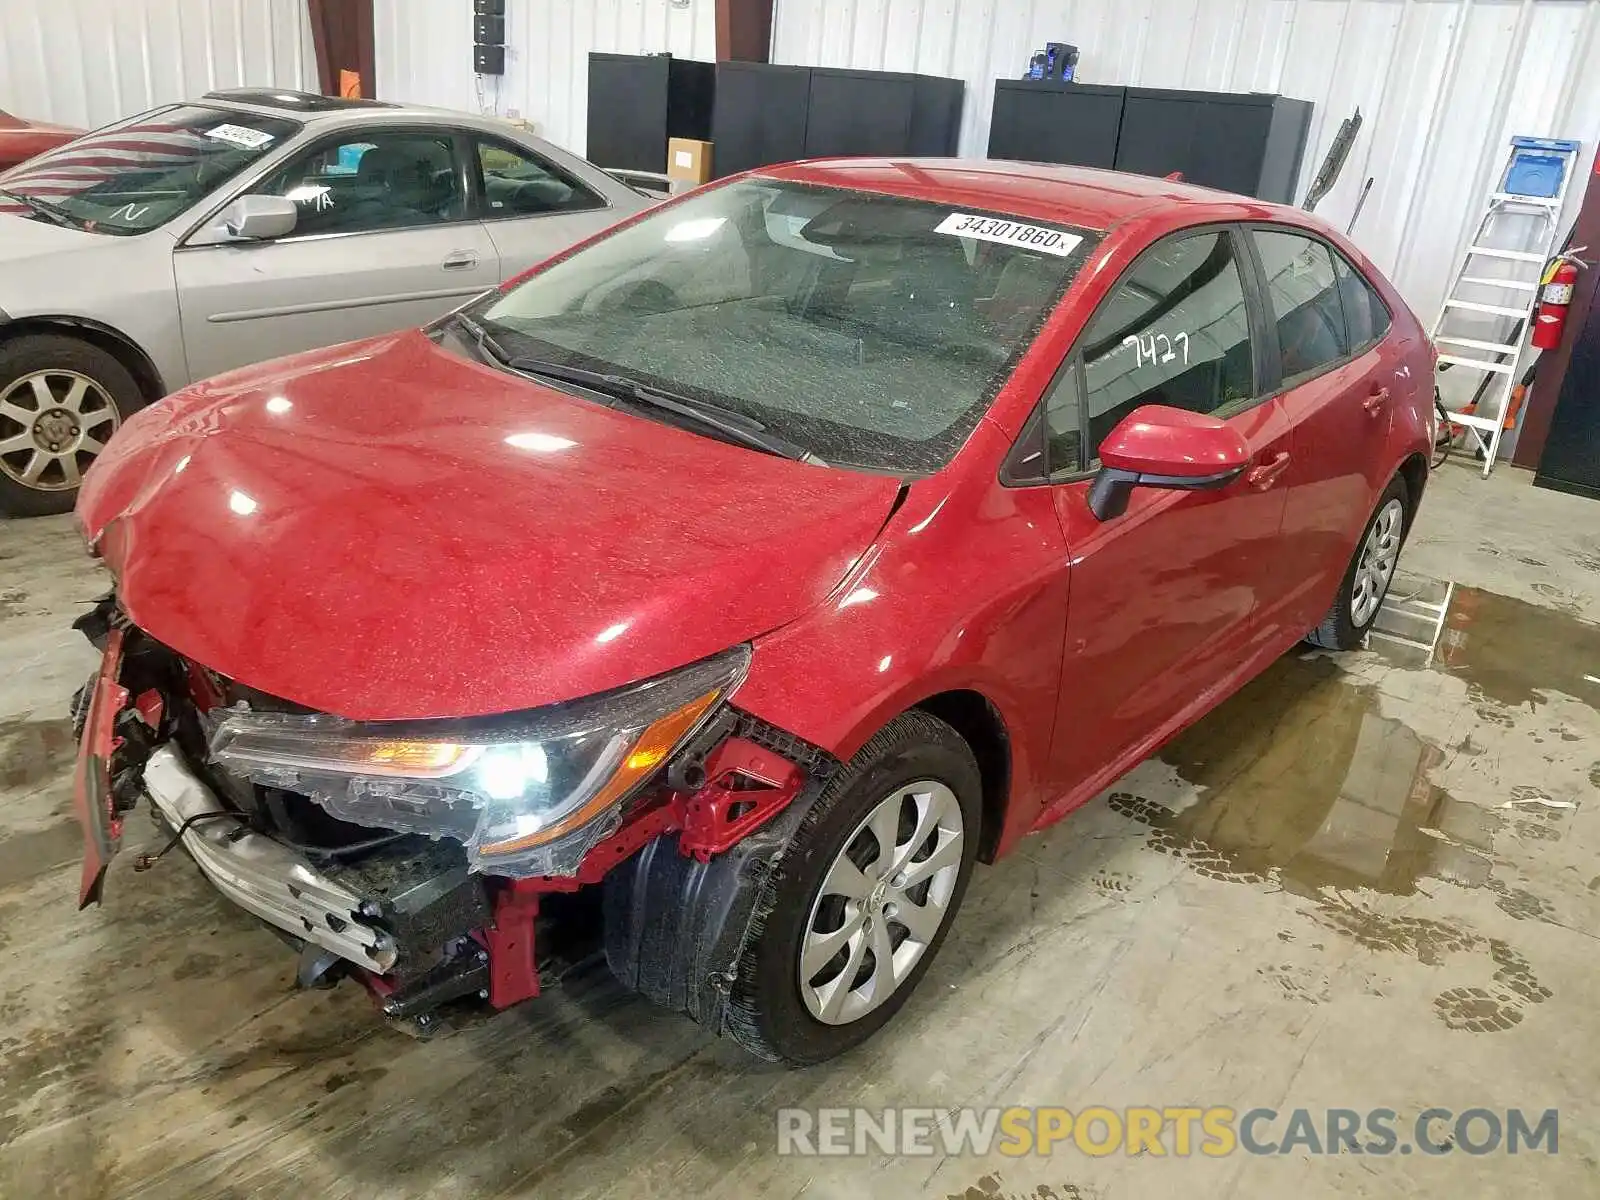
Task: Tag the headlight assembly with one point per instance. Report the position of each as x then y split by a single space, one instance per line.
528 793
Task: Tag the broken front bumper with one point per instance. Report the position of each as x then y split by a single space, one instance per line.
275 883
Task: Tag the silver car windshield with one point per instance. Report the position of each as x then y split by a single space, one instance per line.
873 330
140 175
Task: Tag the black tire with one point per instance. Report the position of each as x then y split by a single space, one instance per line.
1339 630
767 1014
23 356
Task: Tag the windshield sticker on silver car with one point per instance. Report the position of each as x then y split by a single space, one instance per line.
1010 233
250 139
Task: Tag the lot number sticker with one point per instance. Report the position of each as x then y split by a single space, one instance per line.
250 139
1010 233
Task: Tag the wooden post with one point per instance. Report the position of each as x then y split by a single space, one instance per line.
744 30
341 31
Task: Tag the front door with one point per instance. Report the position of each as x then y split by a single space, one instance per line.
1339 382
1172 601
384 241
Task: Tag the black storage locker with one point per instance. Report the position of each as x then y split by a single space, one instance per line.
1046 120
858 113
759 116
770 113
1249 143
637 102
1246 143
1571 458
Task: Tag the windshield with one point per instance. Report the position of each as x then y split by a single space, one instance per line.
872 330
137 176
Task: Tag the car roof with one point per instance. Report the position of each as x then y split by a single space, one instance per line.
1081 196
325 112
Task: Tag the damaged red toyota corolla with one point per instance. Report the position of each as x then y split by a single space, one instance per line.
764 562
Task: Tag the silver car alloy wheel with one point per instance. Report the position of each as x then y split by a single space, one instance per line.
52 424
1376 566
882 902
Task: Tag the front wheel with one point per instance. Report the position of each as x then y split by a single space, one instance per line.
862 897
1367 579
61 399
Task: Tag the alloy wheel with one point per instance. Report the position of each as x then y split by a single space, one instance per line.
52 425
882 902
1375 568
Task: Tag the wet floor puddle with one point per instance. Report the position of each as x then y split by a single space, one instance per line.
1303 783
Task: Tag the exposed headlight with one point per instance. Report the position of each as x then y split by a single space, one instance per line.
528 793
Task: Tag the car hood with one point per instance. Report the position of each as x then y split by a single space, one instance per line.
384 530
22 238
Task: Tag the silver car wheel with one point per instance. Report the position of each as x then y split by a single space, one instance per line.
52 425
1375 567
882 902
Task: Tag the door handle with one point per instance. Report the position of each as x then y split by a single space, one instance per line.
1264 476
1375 402
460 260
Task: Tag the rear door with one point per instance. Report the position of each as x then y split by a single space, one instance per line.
1171 601
385 240
1338 381
531 206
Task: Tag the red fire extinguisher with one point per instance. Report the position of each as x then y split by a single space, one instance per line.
1554 301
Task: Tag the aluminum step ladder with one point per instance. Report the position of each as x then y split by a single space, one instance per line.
1499 277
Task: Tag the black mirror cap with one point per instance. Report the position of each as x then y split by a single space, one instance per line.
1108 494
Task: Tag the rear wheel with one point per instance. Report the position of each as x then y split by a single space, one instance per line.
61 399
863 896
1366 581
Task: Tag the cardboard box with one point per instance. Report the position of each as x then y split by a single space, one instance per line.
688 161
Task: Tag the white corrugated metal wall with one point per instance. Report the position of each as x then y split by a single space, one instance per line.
424 53
90 62
1441 84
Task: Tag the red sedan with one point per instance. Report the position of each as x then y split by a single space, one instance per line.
765 561
20 140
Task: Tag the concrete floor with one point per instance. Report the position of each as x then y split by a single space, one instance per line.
1363 882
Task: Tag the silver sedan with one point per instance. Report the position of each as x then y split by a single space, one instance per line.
249 224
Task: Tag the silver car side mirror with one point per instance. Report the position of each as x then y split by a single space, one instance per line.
258 218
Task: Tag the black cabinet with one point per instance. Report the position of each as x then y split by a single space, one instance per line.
1251 144
769 113
1246 143
759 116
637 102
1571 459
1048 121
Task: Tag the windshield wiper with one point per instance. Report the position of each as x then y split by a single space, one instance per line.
737 427
59 215
487 347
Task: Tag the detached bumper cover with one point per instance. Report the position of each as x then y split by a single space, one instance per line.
275 883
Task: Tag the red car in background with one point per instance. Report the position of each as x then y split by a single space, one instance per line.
20 140
764 561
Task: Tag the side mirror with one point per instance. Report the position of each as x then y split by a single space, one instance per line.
256 219
1157 446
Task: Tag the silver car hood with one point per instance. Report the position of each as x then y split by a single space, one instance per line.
23 238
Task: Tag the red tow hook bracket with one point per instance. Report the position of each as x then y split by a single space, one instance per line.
746 786
511 941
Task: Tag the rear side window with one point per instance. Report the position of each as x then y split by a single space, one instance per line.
1175 330
1303 293
1366 316
518 183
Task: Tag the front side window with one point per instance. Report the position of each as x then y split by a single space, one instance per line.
141 175
873 330
1304 297
373 181
1175 330
516 183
